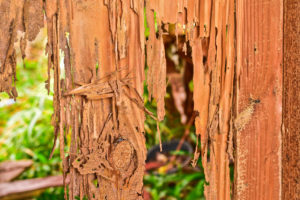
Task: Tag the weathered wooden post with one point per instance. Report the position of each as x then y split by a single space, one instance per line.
245 55
259 100
291 102
100 97
97 93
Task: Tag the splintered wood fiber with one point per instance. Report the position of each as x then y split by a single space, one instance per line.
16 15
99 101
209 31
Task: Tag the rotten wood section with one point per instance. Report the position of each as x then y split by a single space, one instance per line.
209 39
16 16
97 95
259 100
99 101
291 102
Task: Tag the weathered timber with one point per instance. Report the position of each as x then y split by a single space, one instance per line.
259 100
208 29
16 15
100 98
291 102
97 96
236 50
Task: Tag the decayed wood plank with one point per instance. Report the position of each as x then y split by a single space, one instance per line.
103 43
291 102
209 31
259 100
16 15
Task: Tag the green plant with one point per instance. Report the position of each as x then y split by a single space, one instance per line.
179 185
25 125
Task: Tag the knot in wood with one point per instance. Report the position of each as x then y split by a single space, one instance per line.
122 155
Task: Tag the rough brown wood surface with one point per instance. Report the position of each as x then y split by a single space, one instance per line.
97 94
291 102
100 98
209 31
16 15
236 51
259 99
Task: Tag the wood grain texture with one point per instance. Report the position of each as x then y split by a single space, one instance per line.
208 27
259 99
97 96
291 102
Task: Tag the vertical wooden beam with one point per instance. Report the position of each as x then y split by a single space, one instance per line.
291 102
259 99
100 99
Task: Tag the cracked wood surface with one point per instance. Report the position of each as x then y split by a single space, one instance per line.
97 96
209 31
16 15
100 105
107 127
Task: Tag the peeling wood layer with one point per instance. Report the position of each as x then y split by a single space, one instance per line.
97 95
99 101
259 100
209 31
16 16
291 102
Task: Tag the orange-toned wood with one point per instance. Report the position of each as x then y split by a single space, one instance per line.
259 99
